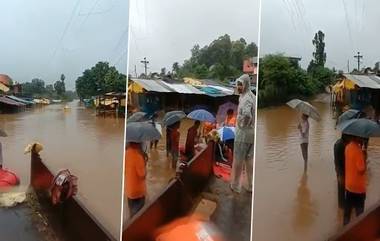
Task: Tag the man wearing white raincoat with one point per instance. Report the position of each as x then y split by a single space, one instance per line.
245 134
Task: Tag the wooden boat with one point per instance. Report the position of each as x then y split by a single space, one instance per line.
70 218
176 200
366 227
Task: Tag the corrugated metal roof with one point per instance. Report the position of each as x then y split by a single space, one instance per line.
152 85
8 101
183 88
224 90
365 81
12 97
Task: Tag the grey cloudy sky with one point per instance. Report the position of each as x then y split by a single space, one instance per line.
288 26
165 31
42 39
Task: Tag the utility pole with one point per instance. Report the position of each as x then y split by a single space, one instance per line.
348 66
135 72
145 62
358 57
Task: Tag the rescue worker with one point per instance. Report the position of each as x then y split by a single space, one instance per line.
135 173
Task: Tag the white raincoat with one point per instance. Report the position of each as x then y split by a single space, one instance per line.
244 137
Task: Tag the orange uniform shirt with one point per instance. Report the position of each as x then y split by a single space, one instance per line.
230 121
355 169
208 127
135 186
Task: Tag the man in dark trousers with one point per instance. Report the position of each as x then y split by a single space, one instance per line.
339 148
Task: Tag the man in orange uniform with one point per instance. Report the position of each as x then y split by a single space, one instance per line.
355 178
191 139
135 186
230 118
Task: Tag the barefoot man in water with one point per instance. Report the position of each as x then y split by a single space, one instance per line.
245 134
303 127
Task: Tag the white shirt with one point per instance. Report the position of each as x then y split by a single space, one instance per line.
304 131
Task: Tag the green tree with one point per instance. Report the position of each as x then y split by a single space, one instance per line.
280 80
59 87
176 69
221 59
319 54
100 79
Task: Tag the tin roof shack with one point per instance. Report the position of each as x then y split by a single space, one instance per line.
151 95
112 103
358 92
8 105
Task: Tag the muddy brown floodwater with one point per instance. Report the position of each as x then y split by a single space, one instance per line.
90 147
287 204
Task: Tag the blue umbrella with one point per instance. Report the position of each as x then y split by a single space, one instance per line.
201 115
141 132
226 133
348 115
360 127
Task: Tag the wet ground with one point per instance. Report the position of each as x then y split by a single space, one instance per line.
233 211
16 225
27 222
291 205
90 147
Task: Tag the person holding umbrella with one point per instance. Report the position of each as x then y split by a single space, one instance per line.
244 135
307 110
174 143
355 178
303 127
191 139
355 163
135 163
339 162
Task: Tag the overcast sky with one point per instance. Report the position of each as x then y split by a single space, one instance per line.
288 26
164 31
44 38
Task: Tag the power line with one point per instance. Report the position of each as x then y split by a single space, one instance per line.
65 29
90 12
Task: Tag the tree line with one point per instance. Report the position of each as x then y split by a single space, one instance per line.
36 88
222 59
281 78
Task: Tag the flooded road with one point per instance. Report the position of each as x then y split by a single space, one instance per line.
90 147
289 205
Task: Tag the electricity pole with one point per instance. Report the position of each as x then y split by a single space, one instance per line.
348 66
358 57
145 62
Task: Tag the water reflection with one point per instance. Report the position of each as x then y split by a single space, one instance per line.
305 207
